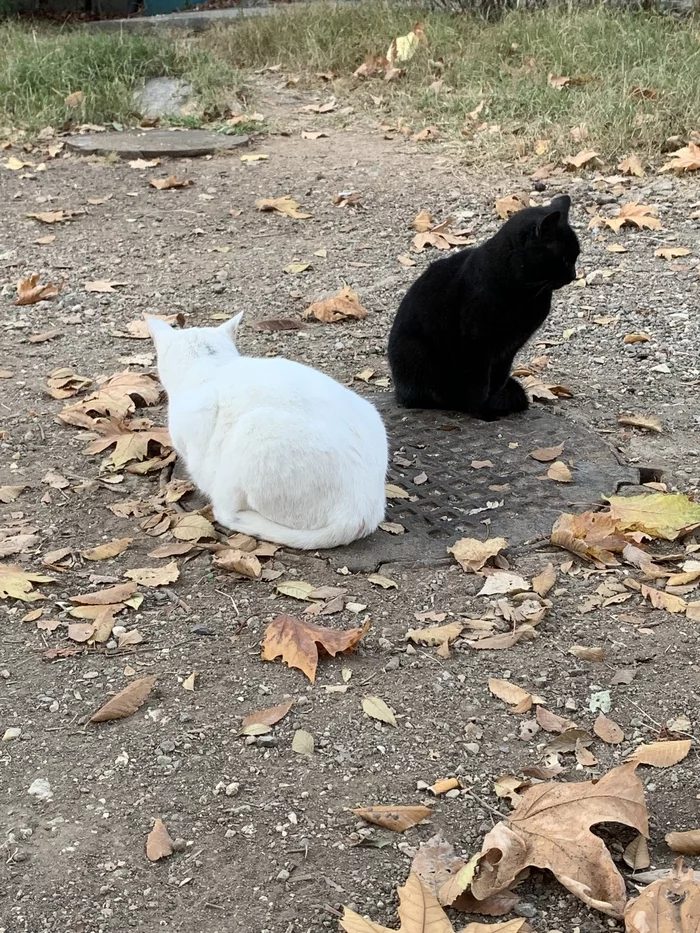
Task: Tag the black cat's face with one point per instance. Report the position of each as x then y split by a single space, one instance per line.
549 247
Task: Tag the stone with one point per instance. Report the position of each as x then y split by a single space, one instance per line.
163 97
11 734
41 789
152 144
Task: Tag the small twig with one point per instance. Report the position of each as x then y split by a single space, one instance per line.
484 803
228 596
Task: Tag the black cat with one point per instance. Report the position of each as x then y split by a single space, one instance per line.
463 320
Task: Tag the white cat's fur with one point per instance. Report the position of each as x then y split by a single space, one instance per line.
283 451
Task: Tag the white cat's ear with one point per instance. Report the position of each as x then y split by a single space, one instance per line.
159 330
231 327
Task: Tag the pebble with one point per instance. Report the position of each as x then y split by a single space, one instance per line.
393 664
11 734
283 875
232 789
41 789
525 910
201 630
266 741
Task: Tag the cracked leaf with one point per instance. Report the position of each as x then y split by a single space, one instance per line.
17 583
29 291
670 905
299 643
341 306
154 576
471 554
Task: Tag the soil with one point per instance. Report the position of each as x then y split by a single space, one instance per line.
269 841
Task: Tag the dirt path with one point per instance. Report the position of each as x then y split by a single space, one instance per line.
269 842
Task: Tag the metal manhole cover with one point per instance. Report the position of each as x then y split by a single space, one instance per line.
457 499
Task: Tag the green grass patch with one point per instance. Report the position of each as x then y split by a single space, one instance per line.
40 68
504 63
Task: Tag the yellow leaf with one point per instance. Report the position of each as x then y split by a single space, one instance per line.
303 742
192 527
105 551
188 682
297 589
154 576
436 634
631 166
294 268
395 492
661 515
16 583
284 205
580 159
471 554
376 708
255 157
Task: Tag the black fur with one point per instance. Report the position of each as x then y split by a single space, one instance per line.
463 320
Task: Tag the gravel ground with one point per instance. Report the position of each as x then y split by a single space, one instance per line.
268 842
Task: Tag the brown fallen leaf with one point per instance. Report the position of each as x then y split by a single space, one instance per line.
550 722
105 551
132 440
426 135
440 236
45 336
672 252
631 166
661 600
503 582
590 535
138 329
285 205
547 454
472 554
423 221
686 159
559 472
515 696
162 184
608 730
126 702
80 631
687 843
579 160
159 844
103 286
52 217
272 325
29 291
436 863
341 306
545 580
643 422
397 819
108 597
551 829
629 215
636 854
154 576
636 338
506 207
299 642
192 527
63 383
267 717
661 754
670 905
238 561
17 583
419 912
585 653
436 635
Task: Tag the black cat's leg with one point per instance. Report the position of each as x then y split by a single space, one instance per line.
508 400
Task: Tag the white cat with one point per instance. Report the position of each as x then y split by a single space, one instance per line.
283 452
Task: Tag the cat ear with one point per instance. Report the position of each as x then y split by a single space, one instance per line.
548 226
159 330
562 204
230 327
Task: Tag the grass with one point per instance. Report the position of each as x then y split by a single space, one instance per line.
505 63
40 68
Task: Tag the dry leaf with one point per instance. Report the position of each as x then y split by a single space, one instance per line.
439 236
507 206
631 166
436 864
131 440
255 157
139 329
672 252
108 597
503 582
436 634
608 730
63 383
636 855
80 631
547 454
10 493
103 286
687 843
159 844
590 535
510 693
644 422
303 742
423 221
559 472
661 515
192 527
584 653
29 291
471 554
550 722
285 205
661 754
580 159
661 600
629 215
267 717
376 708
545 580
16 583
297 589
105 551
551 829
670 905
299 642
341 306
426 135
52 217
238 561
686 159
144 163
188 682
397 819
384 582
162 184
126 702
272 325
154 576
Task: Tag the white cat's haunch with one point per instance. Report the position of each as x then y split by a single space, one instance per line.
283 452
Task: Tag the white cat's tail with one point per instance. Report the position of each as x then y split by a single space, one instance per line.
333 535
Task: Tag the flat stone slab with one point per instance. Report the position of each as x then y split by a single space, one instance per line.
190 22
456 499
151 144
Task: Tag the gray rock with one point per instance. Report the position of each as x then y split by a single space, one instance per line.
163 97
150 144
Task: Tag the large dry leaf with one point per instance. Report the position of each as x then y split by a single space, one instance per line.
503 582
299 642
341 306
686 159
545 580
671 905
108 597
436 634
551 829
687 843
471 554
397 819
436 864
154 576
440 236
17 583
659 514
661 754
105 551
159 844
661 600
590 535
285 205
131 440
117 397
507 206
63 382
192 526
126 702
29 291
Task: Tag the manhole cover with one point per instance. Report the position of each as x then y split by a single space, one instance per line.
456 499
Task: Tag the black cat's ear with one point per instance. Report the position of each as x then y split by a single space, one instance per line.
548 226
562 204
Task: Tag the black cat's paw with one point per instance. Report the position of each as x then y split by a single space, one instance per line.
508 400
